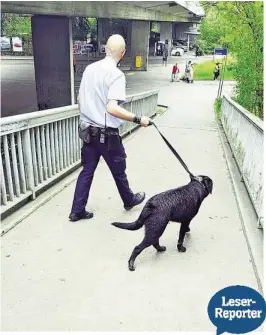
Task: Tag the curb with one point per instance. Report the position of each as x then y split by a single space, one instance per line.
241 196
16 57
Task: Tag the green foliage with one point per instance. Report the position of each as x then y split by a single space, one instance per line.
204 71
83 27
15 25
238 25
217 108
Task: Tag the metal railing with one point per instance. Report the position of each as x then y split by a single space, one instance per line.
40 147
245 135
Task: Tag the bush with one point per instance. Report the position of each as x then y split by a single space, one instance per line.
204 71
218 107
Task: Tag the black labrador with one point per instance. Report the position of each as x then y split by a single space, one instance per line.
178 205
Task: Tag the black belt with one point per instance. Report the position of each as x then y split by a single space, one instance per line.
109 130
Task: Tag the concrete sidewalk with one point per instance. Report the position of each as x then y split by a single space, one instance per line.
60 276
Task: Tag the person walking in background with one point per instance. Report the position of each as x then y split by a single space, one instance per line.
216 71
74 63
165 53
175 73
189 72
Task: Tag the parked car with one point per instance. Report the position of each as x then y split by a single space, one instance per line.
182 46
177 51
5 45
17 45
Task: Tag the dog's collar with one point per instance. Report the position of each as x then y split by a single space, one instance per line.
199 180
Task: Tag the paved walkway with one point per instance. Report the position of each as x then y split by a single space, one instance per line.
60 276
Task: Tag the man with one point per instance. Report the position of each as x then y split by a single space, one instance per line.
165 53
102 90
189 72
216 71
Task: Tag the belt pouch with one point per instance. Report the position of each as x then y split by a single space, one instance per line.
84 134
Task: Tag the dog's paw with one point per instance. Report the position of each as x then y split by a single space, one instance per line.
131 267
180 248
161 249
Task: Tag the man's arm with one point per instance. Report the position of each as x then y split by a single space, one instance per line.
117 93
114 109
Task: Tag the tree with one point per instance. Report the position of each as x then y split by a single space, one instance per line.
82 27
15 24
238 26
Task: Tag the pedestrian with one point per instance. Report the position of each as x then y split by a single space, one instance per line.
197 51
101 92
165 53
74 63
175 73
188 72
216 71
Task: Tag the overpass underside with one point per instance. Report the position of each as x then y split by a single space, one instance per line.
56 82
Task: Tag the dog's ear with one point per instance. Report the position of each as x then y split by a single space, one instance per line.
208 184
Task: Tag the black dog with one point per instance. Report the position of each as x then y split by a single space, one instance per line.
178 205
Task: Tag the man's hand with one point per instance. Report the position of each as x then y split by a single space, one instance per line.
145 121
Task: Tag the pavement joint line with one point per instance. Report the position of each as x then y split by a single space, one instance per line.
224 142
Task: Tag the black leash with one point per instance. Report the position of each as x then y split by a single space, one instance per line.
173 150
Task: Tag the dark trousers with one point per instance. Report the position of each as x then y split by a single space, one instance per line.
116 161
216 75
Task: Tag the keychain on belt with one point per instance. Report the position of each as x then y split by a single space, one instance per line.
103 132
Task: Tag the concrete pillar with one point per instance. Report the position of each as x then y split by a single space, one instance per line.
53 60
179 30
166 32
140 43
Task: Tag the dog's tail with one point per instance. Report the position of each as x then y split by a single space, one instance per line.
136 224
129 226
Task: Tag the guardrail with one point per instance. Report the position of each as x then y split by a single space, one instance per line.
245 135
40 147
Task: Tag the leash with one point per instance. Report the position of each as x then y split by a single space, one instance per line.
173 150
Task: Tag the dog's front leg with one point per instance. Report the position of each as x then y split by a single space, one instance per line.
183 229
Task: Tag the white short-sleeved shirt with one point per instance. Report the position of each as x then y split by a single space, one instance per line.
101 82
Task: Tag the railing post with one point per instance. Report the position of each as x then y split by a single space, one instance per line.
26 143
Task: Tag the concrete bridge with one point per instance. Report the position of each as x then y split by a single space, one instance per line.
60 276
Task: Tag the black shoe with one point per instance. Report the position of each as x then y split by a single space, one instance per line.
138 199
79 216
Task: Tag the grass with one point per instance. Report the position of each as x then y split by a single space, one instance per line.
160 110
217 108
204 71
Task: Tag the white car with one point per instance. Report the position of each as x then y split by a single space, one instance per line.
177 52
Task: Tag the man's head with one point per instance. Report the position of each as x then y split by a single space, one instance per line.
189 62
116 47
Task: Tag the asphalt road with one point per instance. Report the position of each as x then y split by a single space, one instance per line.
18 88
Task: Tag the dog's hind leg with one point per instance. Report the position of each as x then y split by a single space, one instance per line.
183 229
159 247
154 228
137 250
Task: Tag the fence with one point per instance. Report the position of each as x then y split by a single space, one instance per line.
245 135
39 147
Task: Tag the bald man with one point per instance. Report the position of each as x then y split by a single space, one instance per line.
101 93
